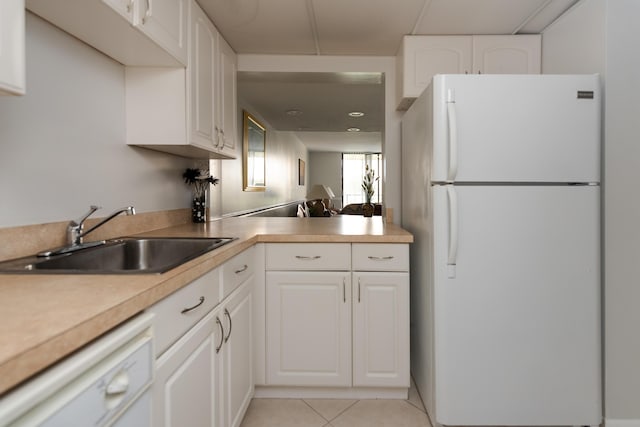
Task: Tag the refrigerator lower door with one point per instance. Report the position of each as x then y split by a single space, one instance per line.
517 324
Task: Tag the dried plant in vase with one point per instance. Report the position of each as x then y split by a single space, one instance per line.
367 185
200 180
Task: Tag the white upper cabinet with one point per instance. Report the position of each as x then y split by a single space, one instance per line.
227 83
202 66
165 22
123 7
506 54
137 33
422 57
177 110
12 53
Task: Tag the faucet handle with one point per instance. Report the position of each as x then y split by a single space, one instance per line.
83 218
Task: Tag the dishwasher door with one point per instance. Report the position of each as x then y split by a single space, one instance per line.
104 384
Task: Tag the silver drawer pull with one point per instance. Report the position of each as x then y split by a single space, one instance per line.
380 258
243 269
186 310
310 258
219 346
226 313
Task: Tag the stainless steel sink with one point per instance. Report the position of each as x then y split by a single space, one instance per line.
119 256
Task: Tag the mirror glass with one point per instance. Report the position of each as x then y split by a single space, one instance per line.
254 143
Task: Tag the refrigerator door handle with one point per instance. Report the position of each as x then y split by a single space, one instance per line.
453 232
453 139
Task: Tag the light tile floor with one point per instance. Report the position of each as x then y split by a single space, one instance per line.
337 413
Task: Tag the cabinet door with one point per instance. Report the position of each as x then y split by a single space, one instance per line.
308 328
12 50
165 22
183 390
506 54
237 366
202 63
426 56
227 65
381 329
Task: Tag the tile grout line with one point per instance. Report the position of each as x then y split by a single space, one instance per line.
345 410
314 410
323 417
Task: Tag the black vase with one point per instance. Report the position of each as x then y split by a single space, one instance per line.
198 209
367 209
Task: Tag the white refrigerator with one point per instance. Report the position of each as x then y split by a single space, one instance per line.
500 188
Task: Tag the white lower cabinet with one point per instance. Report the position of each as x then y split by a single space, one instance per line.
184 389
346 329
236 357
205 378
308 328
380 329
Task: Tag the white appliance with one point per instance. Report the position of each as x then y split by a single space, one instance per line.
105 383
500 189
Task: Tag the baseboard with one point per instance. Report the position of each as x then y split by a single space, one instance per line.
331 392
608 422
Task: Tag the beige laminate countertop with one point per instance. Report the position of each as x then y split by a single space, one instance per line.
46 317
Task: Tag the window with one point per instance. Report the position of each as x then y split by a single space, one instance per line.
353 168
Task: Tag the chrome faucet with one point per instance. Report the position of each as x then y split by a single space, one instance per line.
76 232
75 229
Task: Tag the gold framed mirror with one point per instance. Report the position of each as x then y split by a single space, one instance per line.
254 153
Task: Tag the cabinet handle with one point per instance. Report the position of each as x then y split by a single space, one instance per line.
224 140
186 310
226 313
216 138
344 291
243 269
358 289
380 258
130 6
221 334
309 258
147 13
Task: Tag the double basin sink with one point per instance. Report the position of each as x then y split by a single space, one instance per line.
119 256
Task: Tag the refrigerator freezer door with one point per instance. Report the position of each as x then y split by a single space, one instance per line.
516 128
517 330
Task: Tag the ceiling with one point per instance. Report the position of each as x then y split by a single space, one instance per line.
350 27
317 105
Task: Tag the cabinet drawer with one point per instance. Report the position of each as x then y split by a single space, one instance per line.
237 270
380 256
308 256
178 312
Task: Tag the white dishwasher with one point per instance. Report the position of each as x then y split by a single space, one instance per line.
105 383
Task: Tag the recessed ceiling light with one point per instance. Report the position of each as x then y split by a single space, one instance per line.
353 130
356 114
294 113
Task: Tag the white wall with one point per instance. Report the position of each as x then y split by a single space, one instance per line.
622 212
575 43
326 168
283 149
391 178
62 146
602 37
